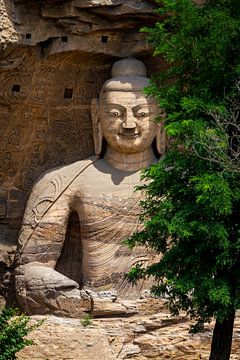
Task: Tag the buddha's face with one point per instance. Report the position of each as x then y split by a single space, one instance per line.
127 120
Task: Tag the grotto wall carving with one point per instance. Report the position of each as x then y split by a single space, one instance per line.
54 58
100 193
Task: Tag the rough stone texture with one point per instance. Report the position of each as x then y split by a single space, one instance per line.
50 22
8 35
103 307
65 339
54 58
42 290
141 337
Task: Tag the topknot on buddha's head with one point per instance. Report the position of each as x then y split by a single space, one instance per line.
129 67
128 74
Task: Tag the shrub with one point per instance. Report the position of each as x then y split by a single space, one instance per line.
86 320
14 326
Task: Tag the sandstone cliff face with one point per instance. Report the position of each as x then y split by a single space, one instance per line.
54 58
93 26
8 35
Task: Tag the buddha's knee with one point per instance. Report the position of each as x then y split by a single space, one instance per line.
41 290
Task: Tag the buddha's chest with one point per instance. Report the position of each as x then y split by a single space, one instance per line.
104 194
113 207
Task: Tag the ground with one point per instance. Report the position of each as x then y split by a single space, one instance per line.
147 335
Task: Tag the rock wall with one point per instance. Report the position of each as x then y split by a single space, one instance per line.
54 57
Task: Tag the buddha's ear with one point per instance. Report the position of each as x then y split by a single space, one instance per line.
97 128
161 138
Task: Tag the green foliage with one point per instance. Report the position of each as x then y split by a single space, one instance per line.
201 45
86 320
14 326
191 211
191 217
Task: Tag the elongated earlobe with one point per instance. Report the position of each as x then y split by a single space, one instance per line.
161 139
97 128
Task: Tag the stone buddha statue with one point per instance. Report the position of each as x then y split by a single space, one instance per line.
58 264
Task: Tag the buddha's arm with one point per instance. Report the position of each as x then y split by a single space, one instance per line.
45 221
47 213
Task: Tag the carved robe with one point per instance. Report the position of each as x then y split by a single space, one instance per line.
108 210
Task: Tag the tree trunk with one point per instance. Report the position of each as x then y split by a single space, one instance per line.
222 339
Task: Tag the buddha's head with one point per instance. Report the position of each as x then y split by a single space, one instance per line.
123 114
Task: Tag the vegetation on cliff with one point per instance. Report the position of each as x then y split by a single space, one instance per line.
191 211
14 327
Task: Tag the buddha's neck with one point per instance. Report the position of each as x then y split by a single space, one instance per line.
129 162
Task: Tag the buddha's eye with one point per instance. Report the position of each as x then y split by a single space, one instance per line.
142 114
115 113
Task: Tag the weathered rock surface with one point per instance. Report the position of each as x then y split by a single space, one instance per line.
58 25
68 340
8 34
42 290
105 307
140 337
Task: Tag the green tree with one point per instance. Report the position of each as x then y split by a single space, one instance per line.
191 211
14 326
222 144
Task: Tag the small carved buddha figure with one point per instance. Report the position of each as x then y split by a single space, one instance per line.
97 195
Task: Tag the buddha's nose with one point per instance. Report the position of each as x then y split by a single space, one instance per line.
129 123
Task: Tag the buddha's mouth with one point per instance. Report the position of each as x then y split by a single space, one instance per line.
130 136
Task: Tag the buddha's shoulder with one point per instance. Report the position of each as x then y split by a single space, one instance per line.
63 174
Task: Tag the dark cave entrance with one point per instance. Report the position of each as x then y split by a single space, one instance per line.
70 260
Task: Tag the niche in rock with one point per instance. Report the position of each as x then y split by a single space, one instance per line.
70 260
